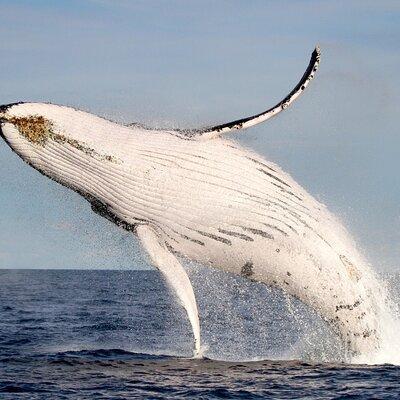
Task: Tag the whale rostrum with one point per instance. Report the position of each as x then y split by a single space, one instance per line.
194 194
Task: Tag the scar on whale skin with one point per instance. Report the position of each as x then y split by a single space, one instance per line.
247 270
38 130
351 269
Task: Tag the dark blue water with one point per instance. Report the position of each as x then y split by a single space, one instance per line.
120 334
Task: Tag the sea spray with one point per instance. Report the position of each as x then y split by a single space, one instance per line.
247 321
388 323
243 321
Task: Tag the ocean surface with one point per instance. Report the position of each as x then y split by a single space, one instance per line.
121 334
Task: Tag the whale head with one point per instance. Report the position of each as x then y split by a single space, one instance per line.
23 131
28 130
51 138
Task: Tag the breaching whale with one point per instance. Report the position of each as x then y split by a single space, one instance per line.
194 194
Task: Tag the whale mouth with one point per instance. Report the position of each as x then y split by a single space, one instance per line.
1 130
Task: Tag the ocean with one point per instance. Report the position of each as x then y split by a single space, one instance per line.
80 334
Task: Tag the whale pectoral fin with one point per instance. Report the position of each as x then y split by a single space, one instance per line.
215 131
175 275
247 122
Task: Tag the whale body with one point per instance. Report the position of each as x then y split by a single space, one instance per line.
198 195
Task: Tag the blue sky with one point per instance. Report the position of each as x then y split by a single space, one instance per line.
186 63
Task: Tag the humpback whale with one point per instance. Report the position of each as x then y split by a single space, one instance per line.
198 195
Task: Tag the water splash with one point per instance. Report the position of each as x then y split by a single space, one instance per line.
248 321
389 325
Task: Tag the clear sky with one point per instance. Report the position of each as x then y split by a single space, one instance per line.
187 63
